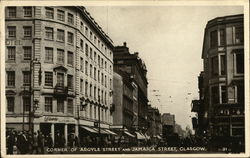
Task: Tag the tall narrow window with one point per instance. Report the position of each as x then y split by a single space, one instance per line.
214 66
90 53
94 92
49 33
215 94
27 11
60 105
60 79
60 15
70 38
11 31
222 64
49 12
70 81
27 31
11 78
48 104
27 53
86 67
11 53
70 18
239 63
60 35
81 64
86 49
81 44
60 56
90 70
223 94
86 88
12 12
70 58
213 39
70 106
222 37
90 90
10 104
81 85
94 73
48 79
48 55
26 104
86 31
26 78
239 35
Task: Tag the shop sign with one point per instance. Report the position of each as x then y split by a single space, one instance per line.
58 119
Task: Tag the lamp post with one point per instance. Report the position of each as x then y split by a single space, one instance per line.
99 121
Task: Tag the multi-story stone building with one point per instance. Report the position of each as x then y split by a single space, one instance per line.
135 67
59 70
223 80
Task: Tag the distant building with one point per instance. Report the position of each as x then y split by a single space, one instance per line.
155 124
222 81
136 68
179 130
168 119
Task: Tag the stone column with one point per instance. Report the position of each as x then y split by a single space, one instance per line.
66 134
53 132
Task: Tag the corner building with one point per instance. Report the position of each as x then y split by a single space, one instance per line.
59 70
222 89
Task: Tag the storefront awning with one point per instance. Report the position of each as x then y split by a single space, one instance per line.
89 129
129 134
147 137
159 137
102 131
140 136
110 132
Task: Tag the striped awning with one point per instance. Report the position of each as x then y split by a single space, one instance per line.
140 136
89 129
129 134
110 132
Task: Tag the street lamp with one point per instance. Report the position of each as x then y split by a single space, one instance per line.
99 121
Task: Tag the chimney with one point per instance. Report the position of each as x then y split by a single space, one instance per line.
124 44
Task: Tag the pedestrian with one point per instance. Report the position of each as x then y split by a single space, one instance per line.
10 142
42 141
57 140
30 143
50 143
35 143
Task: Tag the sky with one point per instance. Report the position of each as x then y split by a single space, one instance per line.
169 39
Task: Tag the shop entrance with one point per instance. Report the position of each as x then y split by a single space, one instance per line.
45 128
59 128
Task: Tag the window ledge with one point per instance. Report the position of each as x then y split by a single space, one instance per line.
47 39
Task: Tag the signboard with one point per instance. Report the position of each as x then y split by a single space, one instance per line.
54 119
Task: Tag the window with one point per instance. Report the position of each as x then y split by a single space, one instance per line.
105 81
49 33
86 88
110 82
94 112
98 76
81 44
240 93
27 53
27 11
86 31
70 58
81 25
239 35
12 12
48 104
101 62
98 62
91 35
102 79
90 90
95 39
86 49
26 104
90 111
81 85
60 105
49 12
27 31
81 64
223 94
86 67
215 94
90 53
10 78
70 38
239 63
48 55
98 43
60 15
70 18
11 31
10 104
222 64
94 73
222 37
60 56
214 66
26 78
95 56
105 65
48 79
60 79
60 35
213 39
105 98
90 70
94 92
70 81
11 53
70 106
